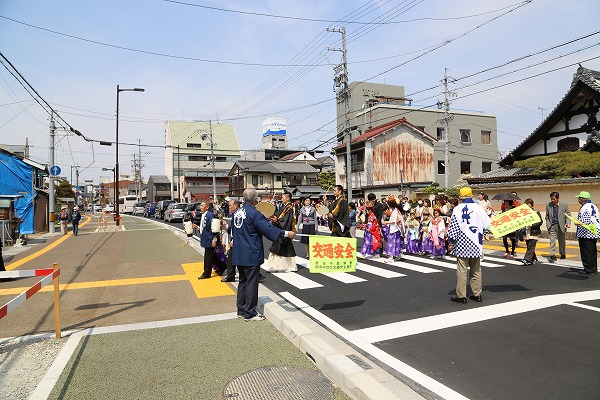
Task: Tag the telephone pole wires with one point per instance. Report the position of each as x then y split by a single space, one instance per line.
446 120
340 84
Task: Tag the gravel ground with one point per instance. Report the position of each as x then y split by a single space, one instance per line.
23 364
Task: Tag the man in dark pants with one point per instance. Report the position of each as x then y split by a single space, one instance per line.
588 215
208 240
230 274
338 213
248 228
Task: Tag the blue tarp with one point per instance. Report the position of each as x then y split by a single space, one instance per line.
16 179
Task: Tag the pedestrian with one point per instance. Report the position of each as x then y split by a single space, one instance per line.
75 218
282 256
484 202
512 236
437 232
248 229
230 272
412 245
557 225
372 236
426 245
307 217
532 234
395 240
467 226
338 213
352 218
209 241
588 215
64 219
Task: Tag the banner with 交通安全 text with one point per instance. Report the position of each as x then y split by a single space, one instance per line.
332 254
513 220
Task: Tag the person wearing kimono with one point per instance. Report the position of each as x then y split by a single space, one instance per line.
282 256
372 237
426 242
413 245
308 218
395 238
437 233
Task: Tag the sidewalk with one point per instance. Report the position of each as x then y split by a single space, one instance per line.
206 357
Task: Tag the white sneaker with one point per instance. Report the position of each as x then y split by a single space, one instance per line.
257 317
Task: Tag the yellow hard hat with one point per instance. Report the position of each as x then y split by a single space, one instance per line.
466 192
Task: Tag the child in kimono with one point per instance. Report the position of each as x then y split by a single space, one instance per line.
426 242
395 238
437 233
412 234
372 236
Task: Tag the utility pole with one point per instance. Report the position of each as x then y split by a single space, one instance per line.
137 171
446 119
51 194
343 95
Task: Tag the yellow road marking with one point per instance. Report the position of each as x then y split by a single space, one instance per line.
98 284
46 249
211 287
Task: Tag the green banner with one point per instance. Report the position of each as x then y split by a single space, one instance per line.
332 254
513 220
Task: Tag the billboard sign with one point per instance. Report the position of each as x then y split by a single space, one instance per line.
274 126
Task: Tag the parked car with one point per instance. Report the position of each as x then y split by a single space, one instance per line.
175 211
109 209
97 208
161 207
192 212
139 208
149 209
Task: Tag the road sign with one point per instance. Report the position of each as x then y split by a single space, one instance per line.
55 170
78 193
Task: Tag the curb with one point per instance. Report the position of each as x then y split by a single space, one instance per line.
334 362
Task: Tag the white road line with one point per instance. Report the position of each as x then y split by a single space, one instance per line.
293 279
597 309
412 267
403 368
429 261
338 276
442 321
384 273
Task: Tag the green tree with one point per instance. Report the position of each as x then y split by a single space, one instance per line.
566 164
63 189
326 179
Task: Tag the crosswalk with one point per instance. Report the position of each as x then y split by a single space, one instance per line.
384 268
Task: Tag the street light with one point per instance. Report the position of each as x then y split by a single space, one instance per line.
117 216
114 179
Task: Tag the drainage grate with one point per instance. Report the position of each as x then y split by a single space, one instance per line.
281 383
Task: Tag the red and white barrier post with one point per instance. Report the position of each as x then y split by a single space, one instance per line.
50 275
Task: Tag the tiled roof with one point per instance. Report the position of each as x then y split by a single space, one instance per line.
371 133
276 167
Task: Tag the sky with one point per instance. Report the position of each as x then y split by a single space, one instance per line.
242 61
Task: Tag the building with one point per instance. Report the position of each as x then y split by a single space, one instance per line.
158 188
274 133
270 178
393 157
190 147
473 136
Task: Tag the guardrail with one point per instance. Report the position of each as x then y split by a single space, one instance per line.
50 275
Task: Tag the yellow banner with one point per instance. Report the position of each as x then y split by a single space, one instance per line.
332 254
513 220
590 227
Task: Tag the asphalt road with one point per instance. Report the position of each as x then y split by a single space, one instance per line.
533 336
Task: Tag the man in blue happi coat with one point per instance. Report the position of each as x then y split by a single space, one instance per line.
248 228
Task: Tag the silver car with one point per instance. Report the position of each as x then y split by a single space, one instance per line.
175 211
139 208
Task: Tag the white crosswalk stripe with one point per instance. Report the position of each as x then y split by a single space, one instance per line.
294 279
384 273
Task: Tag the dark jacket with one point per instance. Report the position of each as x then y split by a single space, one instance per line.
75 217
248 228
536 229
341 214
206 236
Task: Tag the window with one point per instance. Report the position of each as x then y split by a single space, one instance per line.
568 144
220 159
261 180
278 178
486 137
440 133
194 145
358 161
486 167
465 167
255 180
441 168
197 158
465 136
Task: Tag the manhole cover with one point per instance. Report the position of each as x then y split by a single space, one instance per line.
281 383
